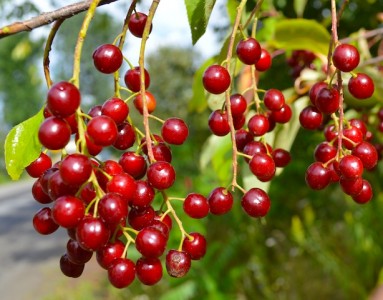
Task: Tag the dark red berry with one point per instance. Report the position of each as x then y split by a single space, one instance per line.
92 233
310 118
144 194
113 208
317 176
133 164
70 269
150 242
122 184
351 186
161 175
63 99
281 157
195 246
274 99
132 79
345 57
121 272
102 130
115 108
256 203
328 100
315 89
76 254
68 211
324 152
264 62
126 137
258 125
141 217
174 131
351 166
262 165
54 133
107 58
238 105
36 168
365 194
249 51
220 201
216 79
149 270
137 23
43 222
283 115
109 252
218 123
243 137
196 206
75 169
361 86
177 263
367 153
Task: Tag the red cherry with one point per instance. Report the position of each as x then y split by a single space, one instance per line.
161 175
75 169
133 164
328 100
315 89
249 51
137 23
54 133
43 222
281 157
102 130
144 194
324 152
177 263
36 168
220 201
264 62
174 131
258 125
317 176
361 86
76 254
150 242
196 247
121 272
126 137
216 79
351 166
196 206
365 194
122 184
141 217
149 270
274 99
115 108
63 99
283 115
310 118
107 58
256 203
133 80
92 233
367 153
238 105
345 57
69 268
68 211
109 252
218 123
112 208
262 165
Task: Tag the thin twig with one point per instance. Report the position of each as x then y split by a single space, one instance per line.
49 17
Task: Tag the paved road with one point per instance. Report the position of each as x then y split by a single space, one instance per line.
29 262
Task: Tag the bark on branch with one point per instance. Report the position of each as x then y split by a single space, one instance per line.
47 18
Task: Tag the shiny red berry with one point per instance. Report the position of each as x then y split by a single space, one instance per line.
107 58
216 79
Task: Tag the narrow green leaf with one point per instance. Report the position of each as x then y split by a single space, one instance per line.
22 145
199 12
299 7
296 34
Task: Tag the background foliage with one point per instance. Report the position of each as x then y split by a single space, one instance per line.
312 245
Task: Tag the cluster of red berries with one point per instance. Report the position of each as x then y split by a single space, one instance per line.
299 60
347 151
106 206
250 141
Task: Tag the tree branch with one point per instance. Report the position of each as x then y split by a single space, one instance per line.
49 17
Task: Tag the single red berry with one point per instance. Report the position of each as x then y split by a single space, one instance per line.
238 105
367 153
92 233
264 62
218 123
360 124
220 201
351 166
68 211
254 147
75 169
43 222
95 111
132 79
115 108
281 157
144 194
324 152
107 58
351 186
57 187
137 23
141 217
38 193
54 133
150 242
133 164
365 194
126 137
196 246
149 270
256 203
345 57
102 130
36 168
150 102
109 252
274 99
76 254
196 206
328 100
330 133
258 125
353 136
177 263
243 137
63 99
122 184
161 175
361 86
113 208
262 165
317 176
310 118
283 115
174 131
249 51
70 269
216 79
122 272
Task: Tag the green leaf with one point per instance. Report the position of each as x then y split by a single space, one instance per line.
22 145
299 7
296 34
199 12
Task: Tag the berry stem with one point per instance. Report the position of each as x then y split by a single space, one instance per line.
227 93
80 42
255 11
145 37
47 50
